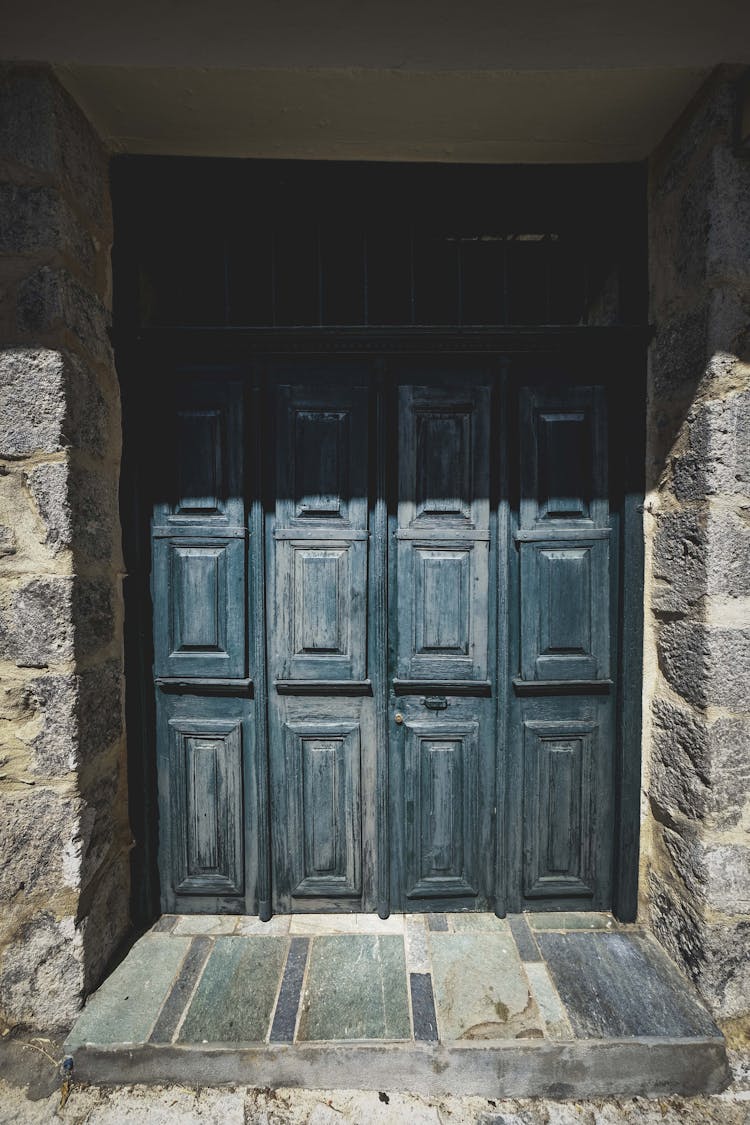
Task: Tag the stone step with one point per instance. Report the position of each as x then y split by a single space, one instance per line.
434 1004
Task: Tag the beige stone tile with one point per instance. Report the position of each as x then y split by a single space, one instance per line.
277 926
481 989
189 924
417 949
372 924
314 924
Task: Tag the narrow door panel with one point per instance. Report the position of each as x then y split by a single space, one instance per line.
565 609
325 808
441 801
563 458
321 708
201 475
567 580
206 771
559 808
199 606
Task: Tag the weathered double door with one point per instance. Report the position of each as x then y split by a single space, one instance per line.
382 599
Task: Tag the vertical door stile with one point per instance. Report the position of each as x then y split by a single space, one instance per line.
502 666
379 642
258 631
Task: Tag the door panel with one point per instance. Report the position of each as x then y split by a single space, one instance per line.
441 800
206 767
442 786
200 607
325 808
559 807
321 708
562 720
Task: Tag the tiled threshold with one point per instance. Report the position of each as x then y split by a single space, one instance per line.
553 1005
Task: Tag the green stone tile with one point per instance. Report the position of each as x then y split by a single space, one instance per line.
571 920
125 1008
356 989
461 923
481 990
236 994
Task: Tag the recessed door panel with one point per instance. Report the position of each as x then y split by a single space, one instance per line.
201 455
199 594
559 794
326 808
565 609
564 479
441 803
206 768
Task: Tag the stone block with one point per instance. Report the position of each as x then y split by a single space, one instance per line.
32 401
729 756
95 516
682 651
50 400
678 354
94 614
729 232
76 717
54 700
36 624
107 920
49 485
727 869
41 974
729 659
700 770
680 761
728 569
43 131
7 541
51 299
101 822
718 458
715 874
101 703
679 561
38 219
37 833
710 124
716 955
706 664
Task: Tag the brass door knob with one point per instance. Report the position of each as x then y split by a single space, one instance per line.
399 718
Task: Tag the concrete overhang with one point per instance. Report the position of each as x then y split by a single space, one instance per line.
521 116
486 80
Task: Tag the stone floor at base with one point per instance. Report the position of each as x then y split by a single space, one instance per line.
410 980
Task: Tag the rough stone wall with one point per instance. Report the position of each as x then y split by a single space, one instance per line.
696 871
64 870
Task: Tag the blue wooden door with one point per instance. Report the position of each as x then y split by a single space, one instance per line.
386 604
442 636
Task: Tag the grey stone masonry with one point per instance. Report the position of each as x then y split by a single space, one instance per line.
64 838
696 877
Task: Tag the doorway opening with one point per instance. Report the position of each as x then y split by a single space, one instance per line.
383 468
